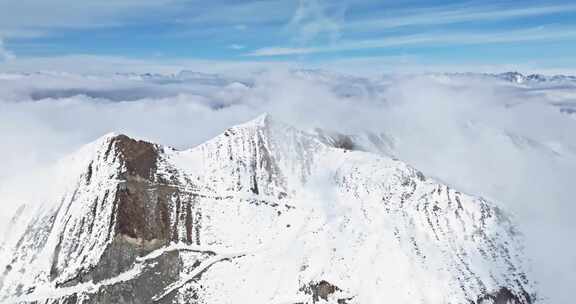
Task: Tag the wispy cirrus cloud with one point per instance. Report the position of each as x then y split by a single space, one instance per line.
240 14
283 51
235 46
429 39
453 14
101 64
22 33
314 18
240 27
30 18
5 54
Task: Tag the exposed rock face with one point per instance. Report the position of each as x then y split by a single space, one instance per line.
322 291
261 214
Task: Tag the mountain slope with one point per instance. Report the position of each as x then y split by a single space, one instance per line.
263 213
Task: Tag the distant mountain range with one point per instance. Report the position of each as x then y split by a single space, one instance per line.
519 78
316 74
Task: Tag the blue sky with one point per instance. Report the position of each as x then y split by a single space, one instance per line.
533 35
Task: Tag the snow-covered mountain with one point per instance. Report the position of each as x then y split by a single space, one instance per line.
263 213
519 78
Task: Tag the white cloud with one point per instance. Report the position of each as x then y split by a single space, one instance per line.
314 18
236 47
283 51
112 64
374 65
5 54
241 27
430 39
30 18
22 33
452 14
245 13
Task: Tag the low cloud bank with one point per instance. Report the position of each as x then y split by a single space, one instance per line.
514 144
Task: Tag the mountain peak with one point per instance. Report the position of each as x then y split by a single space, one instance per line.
140 157
261 121
277 210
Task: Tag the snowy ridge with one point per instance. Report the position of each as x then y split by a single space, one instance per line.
263 213
78 210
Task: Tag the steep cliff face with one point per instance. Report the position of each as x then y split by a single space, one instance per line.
263 213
